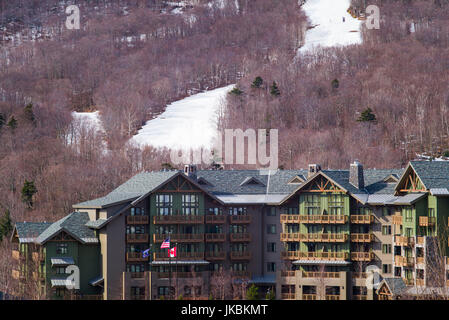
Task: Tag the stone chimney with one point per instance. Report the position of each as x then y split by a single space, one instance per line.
313 168
356 175
190 171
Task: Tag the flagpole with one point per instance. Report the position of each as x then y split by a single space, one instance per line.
176 256
169 267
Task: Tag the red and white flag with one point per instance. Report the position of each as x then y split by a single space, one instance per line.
172 252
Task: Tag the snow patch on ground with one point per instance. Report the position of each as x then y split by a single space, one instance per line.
190 123
89 119
326 18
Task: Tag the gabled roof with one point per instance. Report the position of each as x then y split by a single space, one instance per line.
73 224
296 180
433 174
396 286
27 232
251 181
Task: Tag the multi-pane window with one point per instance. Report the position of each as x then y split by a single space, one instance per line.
137 291
137 211
386 268
239 247
61 248
239 267
235 228
364 211
292 228
271 212
271 246
164 229
190 204
293 210
215 211
271 229
271 266
135 229
386 230
312 204
135 268
386 248
60 270
237 211
408 215
164 204
335 203
136 247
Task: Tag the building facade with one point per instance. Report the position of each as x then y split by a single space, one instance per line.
304 234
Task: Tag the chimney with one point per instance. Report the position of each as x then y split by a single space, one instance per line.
190 171
356 175
313 168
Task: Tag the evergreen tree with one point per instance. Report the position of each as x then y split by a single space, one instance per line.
236 91
2 120
367 115
335 84
257 83
252 293
28 191
29 114
12 123
5 224
274 90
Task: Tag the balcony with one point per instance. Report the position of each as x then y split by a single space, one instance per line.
290 218
181 275
420 240
180 237
362 256
240 237
327 275
296 255
362 237
137 237
309 297
403 241
135 257
420 260
401 261
137 275
137 297
178 219
216 219
420 282
17 255
288 296
409 282
38 256
362 219
215 237
163 256
38 276
285 274
240 219
426 221
359 275
397 219
241 274
314 237
215 255
137 219
18 275
360 297
324 219
332 297
240 255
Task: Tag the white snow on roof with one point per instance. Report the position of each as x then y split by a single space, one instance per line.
190 123
330 30
252 198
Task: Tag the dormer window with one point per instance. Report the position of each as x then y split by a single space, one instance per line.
296 180
252 181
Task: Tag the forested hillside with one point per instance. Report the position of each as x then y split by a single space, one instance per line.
380 102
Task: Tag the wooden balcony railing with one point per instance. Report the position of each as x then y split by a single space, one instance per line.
137 237
288 296
38 276
88 297
332 297
215 255
180 256
240 255
17 255
183 275
420 260
397 219
404 261
180 237
327 275
137 219
324 219
426 221
360 275
241 274
403 241
362 237
309 297
362 219
285 274
135 257
409 282
240 219
420 282
362 256
179 219
38 256
420 240
137 297
240 237
289 218
314 237
137 275
215 237
295 255
216 219
359 297
17 274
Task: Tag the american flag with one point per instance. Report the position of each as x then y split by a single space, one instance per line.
165 244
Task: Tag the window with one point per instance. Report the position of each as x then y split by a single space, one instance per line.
137 211
386 268
386 230
408 215
271 229
386 248
164 203
137 292
190 204
237 211
215 211
135 229
271 266
60 270
335 204
271 246
61 248
60 292
271 212
135 268
294 210
312 204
